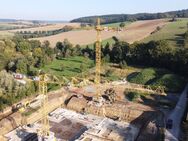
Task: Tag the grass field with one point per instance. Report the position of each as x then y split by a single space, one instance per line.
104 42
71 66
158 77
171 32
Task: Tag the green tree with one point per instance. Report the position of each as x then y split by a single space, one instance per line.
62 67
46 44
122 25
123 64
21 66
108 72
35 43
37 52
82 68
106 49
24 47
67 47
78 50
117 54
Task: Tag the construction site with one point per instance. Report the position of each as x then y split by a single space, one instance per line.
85 111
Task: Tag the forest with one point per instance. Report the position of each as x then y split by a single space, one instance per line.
106 19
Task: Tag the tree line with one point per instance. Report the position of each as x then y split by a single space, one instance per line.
152 54
37 34
106 19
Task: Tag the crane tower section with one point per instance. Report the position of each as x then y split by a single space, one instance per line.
98 28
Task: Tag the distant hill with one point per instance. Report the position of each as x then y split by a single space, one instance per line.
105 19
7 20
30 21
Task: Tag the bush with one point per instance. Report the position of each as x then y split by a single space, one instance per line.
123 64
108 73
159 78
171 82
143 77
132 96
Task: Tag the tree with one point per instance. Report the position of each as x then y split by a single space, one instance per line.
46 44
122 25
106 50
106 59
35 43
21 66
123 64
59 45
78 50
83 25
2 46
116 54
24 47
108 72
82 68
37 52
62 67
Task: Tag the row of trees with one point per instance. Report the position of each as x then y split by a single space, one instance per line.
66 49
153 54
36 34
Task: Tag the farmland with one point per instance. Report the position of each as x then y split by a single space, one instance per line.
117 24
172 32
133 32
48 27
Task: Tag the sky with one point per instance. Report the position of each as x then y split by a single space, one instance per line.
69 9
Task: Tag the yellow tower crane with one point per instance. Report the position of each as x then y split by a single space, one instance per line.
98 28
45 130
43 81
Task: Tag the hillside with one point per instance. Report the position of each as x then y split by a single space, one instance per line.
172 32
133 32
132 17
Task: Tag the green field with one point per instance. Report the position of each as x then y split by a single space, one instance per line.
71 66
172 32
158 77
117 24
104 42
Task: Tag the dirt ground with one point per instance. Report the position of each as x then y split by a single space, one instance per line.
133 32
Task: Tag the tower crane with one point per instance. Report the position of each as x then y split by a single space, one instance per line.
98 28
43 80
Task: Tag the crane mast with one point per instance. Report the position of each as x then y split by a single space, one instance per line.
43 91
98 28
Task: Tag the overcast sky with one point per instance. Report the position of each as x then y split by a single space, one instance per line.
70 9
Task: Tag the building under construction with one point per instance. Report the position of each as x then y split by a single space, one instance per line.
101 115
